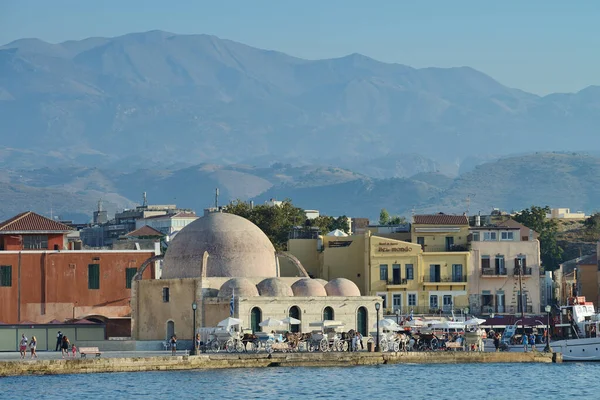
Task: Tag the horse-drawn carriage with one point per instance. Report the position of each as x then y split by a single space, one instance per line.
223 339
328 338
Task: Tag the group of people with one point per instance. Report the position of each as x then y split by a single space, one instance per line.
356 340
32 346
62 344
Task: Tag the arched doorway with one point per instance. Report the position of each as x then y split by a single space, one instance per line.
255 318
295 313
170 329
361 321
328 314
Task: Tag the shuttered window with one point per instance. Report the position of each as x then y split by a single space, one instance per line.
129 274
6 275
94 276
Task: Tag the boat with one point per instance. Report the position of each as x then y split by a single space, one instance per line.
577 327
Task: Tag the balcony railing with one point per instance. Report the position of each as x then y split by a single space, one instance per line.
491 309
526 271
494 272
442 248
422 310
397 281
445 279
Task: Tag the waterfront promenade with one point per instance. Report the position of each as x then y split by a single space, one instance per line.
121 362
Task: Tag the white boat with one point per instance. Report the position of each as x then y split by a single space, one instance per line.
578 325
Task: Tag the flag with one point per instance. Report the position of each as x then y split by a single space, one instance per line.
232 304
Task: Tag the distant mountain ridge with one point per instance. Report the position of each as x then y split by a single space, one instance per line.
159 97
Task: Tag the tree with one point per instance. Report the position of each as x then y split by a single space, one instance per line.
275 221
327 224
592 224
384 217
397 220
535 218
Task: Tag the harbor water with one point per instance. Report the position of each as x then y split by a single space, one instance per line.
447 381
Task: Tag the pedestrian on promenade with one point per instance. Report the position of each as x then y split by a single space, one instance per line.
65 346
197 343
532 341
23 346
74 350
173 345
360 340
32 347
497 341
525 341
59 337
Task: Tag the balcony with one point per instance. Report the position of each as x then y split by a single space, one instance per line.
494 272
527 272
397 282
443 249
461 279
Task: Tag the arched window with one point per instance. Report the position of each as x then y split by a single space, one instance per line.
170 329
361 320
255 318
295 313
328 314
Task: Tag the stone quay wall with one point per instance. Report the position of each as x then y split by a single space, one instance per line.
219 361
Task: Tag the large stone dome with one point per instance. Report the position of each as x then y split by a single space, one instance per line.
308 287
342 287
236 248
274 287
242 287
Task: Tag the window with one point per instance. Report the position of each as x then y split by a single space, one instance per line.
489 236
433 301
94 276
396 279
328 314
396 302
129 274
500 267
412 299
6 275
507 235
409 272
383 272
485 262
521 262
457 273
165 295
421 241
383 300
476 236
35 242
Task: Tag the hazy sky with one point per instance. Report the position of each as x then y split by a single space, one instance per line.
535 45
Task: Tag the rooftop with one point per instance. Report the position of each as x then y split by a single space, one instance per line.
182 214
145 231
440 219
32 222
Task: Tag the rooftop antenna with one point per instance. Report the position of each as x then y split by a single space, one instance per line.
217 198
469 196
145 204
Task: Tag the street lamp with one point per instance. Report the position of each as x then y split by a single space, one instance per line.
377 306
547 349
194 307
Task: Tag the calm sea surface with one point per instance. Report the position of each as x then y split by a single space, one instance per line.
462 381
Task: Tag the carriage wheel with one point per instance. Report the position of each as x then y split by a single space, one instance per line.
240 347
215 346
269 346
343 345
256 345
435 344
383 345
324 345
396 347
230 345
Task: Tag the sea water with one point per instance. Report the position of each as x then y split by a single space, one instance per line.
401 381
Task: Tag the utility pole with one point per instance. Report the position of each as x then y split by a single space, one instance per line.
521 294
217 198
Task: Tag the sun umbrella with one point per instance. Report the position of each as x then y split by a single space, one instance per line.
474 321
229 322
271 322
387 324
291 321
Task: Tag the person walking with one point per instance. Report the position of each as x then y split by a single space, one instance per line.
23 346
65 346
532 341
173 345
197 344
359 339
497 341
525 341
59 337
32 347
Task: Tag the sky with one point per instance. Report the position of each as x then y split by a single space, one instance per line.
534 45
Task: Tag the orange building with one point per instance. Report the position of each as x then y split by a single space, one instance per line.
45 285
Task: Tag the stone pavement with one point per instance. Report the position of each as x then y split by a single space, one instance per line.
56 355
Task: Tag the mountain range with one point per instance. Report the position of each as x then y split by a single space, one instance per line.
155 99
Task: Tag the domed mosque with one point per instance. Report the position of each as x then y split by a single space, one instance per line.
223 265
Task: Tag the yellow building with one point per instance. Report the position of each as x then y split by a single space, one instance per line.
409 276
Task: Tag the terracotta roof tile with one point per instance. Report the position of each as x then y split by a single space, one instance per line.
145 231
32 222
441 219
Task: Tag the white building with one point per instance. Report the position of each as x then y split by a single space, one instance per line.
167 224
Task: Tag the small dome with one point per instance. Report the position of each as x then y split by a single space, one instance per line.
274 287
342 287
243 287
308 287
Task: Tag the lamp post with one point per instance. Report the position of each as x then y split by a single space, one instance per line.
194 307
377 306
547 349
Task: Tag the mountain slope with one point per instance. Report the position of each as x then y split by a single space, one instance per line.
197 98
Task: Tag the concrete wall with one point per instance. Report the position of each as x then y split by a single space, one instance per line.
49 285
15 242
505 284
345 262
587 282
436 241
46 335
306 251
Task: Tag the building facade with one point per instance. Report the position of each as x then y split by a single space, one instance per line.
167 224
505 271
